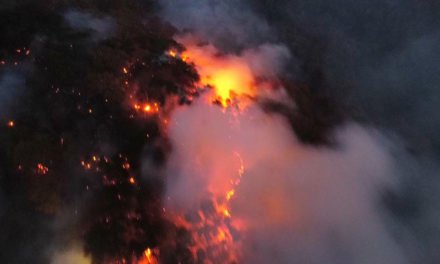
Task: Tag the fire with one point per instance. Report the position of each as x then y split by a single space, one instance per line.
132 180
172 53
150 257
230 76
148 108
229 82
214 229
230 194
41 169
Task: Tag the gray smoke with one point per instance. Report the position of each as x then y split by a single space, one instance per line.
227 24
101 27
12 84
373 199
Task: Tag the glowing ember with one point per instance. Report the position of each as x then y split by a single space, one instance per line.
132 180
41 169
126 166
172 53
148 108
150 257
11 123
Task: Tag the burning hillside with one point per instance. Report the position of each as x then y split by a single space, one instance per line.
147 132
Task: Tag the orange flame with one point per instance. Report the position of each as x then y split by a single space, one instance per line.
150 257
148 108
229 75
213 232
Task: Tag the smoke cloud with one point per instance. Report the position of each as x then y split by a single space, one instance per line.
12 84
369 198
101 27
74 255
229 25
88 84
299 203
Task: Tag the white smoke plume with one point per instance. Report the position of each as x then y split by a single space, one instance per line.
300 203
227 24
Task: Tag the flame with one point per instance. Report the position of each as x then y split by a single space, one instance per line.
230 76
148 108
230 194
213 231
150 257
11 123
172 53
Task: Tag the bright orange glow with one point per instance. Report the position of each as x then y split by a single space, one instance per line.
132 180
150 257
229 75
226 213
213 232
229 82
230 194
11 123
148 108
124 70
233 83
148 253
172 53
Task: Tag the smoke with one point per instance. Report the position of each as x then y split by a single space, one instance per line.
12 84
299 203
101 27
376 57
229 25
411 77
370 197
74 255
321 205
